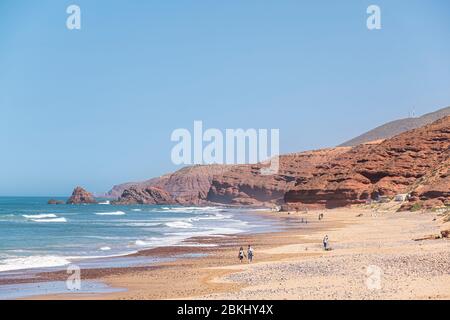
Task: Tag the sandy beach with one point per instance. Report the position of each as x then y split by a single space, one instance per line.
373 256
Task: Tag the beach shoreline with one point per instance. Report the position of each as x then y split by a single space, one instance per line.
189 249
93 235
291 264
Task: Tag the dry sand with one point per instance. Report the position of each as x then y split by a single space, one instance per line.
373 256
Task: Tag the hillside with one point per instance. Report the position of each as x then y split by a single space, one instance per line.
396 127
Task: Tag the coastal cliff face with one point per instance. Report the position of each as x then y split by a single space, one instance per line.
226 184
146 195
397 165
432 190
245 185
187 186
415 162
81 196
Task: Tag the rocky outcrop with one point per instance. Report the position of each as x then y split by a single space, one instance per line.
431 191
53 201
117 190
188 185
445 233
397 165
145 195
435 185
81 196
245 185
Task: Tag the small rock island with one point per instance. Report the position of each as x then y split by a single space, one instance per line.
81 196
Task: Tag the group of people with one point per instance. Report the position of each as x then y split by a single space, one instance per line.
249 255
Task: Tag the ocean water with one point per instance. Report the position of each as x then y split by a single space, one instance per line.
34 234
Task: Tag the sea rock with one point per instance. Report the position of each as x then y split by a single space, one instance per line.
81 196
53 201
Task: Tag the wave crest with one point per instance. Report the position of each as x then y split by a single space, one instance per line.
39 216
115 213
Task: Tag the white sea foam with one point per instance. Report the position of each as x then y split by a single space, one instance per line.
197 245
115 213
39 216
59 220
198 210
179 224
216 216
168 240
141 243
209 232
11 264
105 248
136 210
142 224
105 202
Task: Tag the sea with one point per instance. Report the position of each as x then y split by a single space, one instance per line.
36 235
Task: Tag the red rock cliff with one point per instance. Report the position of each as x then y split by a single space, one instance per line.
397 165
413 162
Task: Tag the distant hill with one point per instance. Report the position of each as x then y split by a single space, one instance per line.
396 127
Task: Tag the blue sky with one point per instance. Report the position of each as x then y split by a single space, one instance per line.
96 106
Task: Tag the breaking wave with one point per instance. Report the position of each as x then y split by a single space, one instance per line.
179 225
115 213
39 216
60 220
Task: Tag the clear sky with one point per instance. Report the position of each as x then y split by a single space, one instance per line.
96 106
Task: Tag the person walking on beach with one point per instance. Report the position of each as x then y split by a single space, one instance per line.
241 254
250 254
325 243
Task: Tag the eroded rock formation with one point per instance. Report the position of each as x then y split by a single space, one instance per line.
415 162
146 195
81 196
245 185
407 163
